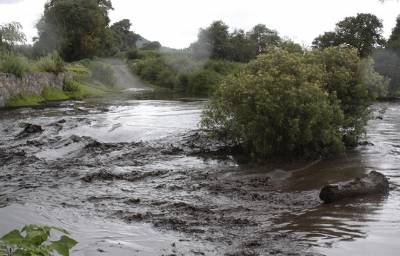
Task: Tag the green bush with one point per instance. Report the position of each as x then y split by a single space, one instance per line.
276 107
292 104
14 64
52 63
203 82
345 78
222 67
133 54
34 240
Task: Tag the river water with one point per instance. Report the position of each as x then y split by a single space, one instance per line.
133 177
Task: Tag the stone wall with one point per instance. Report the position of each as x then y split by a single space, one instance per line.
11 85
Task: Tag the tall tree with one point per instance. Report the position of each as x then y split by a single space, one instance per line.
11 34
263 37
241 48
212 42
363 32
328 39
74 27
394 40
121 35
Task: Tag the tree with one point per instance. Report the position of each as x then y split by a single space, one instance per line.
76 28
121 35
326 40
387 63
263 37
212 42
295 105
240 48
277 107
155 45
363 32
11 34
394 40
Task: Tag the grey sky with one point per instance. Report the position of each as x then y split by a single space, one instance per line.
175 23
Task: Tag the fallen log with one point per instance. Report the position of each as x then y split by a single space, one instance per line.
372 183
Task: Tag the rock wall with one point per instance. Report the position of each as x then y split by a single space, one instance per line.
11 85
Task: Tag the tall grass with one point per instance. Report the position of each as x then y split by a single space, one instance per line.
51 63
13 64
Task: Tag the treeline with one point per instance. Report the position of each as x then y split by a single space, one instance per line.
179 71
217 53
364 33
216 42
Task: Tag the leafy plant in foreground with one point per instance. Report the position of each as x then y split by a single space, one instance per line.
34 240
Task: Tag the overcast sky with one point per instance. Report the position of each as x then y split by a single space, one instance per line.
175 23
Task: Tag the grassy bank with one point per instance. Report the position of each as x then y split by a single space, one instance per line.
87 78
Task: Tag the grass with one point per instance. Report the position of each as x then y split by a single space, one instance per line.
51 63
78 91
54 94
24 99
81 82
14 64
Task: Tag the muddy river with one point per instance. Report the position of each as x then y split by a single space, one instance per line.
136 177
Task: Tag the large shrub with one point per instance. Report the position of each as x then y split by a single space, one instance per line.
292 104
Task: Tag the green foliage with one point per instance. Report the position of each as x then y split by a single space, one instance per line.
52 63
11 34
133 54
263 37
387 63
377 85
53 94
394 40
74 28
24 99
295 105
78 70
14 64
34 240
30 99
153 46
363 32
181 73
78 91
102 72
215 42
202 82
120 36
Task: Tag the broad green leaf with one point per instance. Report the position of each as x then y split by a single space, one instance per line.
14 238
63 245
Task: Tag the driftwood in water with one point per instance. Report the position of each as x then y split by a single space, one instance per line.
372 183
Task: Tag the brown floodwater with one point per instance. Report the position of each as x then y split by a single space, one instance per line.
366 226
124 177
